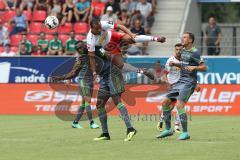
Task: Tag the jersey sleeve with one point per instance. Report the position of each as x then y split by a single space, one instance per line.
196 58
90 42
107 25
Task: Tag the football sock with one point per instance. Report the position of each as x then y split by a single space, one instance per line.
144 38
88 111
103 119
167 116
183 118
124 114
177 120
79 113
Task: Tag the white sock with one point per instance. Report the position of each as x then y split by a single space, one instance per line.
143 38
129 68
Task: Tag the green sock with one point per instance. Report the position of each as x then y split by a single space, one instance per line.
124 114
167 116
88 111
80 113
183 118
103 119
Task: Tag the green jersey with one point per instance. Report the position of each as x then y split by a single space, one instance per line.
41 42
55 44
70 45
28 45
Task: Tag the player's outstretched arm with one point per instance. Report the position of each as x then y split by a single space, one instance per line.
202 67
73 73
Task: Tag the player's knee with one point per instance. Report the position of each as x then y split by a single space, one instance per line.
128 39
166 102
87 99
180 105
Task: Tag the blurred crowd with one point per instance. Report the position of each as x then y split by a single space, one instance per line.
17 17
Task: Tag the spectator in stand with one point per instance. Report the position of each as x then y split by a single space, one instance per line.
158 72
109 16
4 35
7 51
27 43
26 4
146 10
43 42
139 30
129 6
136 16
82 10
115 5
68 11
42 5
55 45
213 36
154 5
39 51
23 50
124 19
19 23
70 44
97 9
10 4
56 8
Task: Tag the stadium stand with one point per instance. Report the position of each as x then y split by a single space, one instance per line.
35 18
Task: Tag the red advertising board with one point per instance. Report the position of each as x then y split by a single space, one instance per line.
139 99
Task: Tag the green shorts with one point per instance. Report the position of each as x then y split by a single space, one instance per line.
111 84
181 91
86 87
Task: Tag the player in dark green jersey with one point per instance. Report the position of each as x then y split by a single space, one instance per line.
81 68
191 63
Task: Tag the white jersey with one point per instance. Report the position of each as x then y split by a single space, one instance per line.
100 40
173 71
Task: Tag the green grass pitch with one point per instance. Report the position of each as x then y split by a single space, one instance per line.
48 138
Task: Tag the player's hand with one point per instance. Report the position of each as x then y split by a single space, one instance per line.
168 85
67 82
55 79
96 77
190 68
171 63
198 88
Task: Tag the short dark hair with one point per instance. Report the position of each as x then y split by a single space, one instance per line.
123 10
191 35
211 16
81 46
178 45
94 21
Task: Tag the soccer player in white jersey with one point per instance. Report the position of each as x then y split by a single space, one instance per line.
102 34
